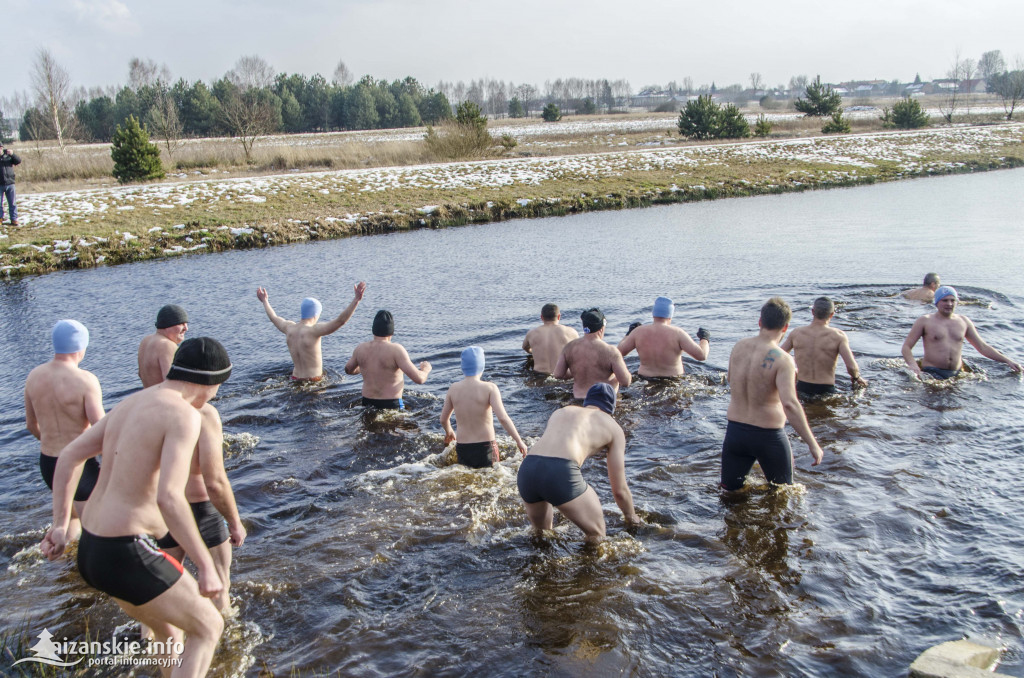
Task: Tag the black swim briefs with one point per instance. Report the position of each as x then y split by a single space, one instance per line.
940 373
478 455
744 444
384 403
129 568
90 474
212 527
806 388
551 479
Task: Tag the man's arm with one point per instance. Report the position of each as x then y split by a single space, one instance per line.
617 475
94 400
446 419
916 332
620 370
211 465
417 374
787 344
851 363
697 351
279 322
562 370
352 366
323 329
984 349
180 440
785 382
31 423
504 419
526 342
627 345
65 480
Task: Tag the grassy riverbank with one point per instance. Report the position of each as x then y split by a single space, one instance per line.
75 229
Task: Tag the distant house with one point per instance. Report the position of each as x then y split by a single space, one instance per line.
651 99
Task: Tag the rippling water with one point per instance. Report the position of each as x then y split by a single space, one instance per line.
371 553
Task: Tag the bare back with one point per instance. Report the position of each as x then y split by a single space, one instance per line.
920 294
546 342
592 360
136 433
62 400
379 363
471 400
576 433
754 366
660 348
156 353
304 346
816 348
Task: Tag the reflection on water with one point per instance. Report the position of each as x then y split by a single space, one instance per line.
370 552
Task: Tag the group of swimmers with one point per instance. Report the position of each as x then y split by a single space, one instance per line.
162 447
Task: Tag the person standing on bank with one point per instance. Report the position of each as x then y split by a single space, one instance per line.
7 162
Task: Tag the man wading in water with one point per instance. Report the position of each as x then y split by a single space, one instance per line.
944 332
589 359
661 346
545 342
817 348
382 364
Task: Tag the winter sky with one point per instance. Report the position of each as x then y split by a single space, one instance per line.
642 41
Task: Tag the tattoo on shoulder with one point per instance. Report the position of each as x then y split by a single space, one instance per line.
769 358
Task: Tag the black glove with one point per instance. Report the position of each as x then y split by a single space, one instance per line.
703 334
633 326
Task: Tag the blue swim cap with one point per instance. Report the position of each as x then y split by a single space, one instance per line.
69 336
601 395
663 308
473 361
944 292
310 308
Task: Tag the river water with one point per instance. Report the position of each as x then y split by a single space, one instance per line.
370 553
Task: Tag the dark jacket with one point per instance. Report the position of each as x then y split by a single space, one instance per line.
7 163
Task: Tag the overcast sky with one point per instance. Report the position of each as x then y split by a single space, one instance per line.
642 41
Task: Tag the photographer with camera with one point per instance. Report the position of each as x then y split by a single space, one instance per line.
7 162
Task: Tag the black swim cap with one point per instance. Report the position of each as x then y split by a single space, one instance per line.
601 395
169 316
383 324
202 361
593 320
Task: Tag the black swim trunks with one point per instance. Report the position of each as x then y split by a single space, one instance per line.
129 568
744 444
384 403
212 527
478 455
806 388
940 373
551 479
90 474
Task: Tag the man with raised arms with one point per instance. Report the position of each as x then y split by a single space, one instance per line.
156 351
926 292
763 395
210 497
944 332
549 476
475 403
546 341
589 359
61 401
660 346
817 348
303 337
382 364
147 442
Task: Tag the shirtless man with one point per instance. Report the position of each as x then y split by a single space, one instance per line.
550 478
926 292
589 359
303 337
545 342
209 495
475 402
147 442
944 332
61 401
382 363
661 346
157 350
762 381
817 348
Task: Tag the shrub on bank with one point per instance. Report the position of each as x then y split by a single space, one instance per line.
905 114
551 113
135 159
837 124
704 119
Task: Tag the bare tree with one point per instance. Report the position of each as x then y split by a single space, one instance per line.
52 86
248 111
990 64
756 81
251 72
146 73
1009 85
342 76
688 85
967 71
952 99
164 121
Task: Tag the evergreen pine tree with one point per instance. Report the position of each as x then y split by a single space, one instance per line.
821 100
551 113
135 159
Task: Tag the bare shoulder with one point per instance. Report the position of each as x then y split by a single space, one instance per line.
209 414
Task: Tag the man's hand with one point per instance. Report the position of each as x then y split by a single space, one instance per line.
522 448
53 543
703 334
859 382
360 290
449 438
425 367
1014 367
261 294
210 584
238 534
816 452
